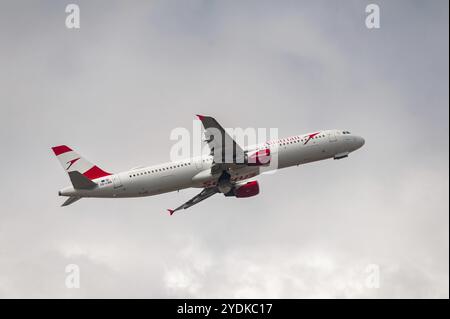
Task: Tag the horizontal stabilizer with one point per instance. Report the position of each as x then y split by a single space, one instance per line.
70 200
79 181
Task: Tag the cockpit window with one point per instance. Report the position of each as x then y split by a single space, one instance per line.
346 132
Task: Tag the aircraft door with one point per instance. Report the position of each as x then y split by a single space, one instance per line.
332 136
116 181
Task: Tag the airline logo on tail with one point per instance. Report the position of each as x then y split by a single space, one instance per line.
71 161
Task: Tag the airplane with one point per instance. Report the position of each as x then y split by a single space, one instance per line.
228 169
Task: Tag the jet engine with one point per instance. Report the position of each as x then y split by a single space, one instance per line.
248 189
258 158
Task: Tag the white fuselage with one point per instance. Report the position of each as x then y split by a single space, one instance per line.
196 171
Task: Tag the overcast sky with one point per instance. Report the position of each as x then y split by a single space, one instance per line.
114 89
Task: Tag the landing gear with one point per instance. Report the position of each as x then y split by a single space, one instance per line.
224 183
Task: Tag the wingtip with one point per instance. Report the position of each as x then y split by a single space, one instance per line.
200 117
171 211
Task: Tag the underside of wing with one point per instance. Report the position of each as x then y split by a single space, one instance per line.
205 193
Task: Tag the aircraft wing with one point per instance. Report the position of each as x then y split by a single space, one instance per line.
205 193
224 149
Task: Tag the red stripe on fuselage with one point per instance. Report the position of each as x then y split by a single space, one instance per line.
58 150
95 172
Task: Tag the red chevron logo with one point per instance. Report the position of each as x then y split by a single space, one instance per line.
311 136
71 162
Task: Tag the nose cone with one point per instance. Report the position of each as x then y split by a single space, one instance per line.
359 142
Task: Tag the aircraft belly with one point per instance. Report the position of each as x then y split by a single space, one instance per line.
287 157
168 183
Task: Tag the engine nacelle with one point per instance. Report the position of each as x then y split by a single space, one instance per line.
258 158
247 190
